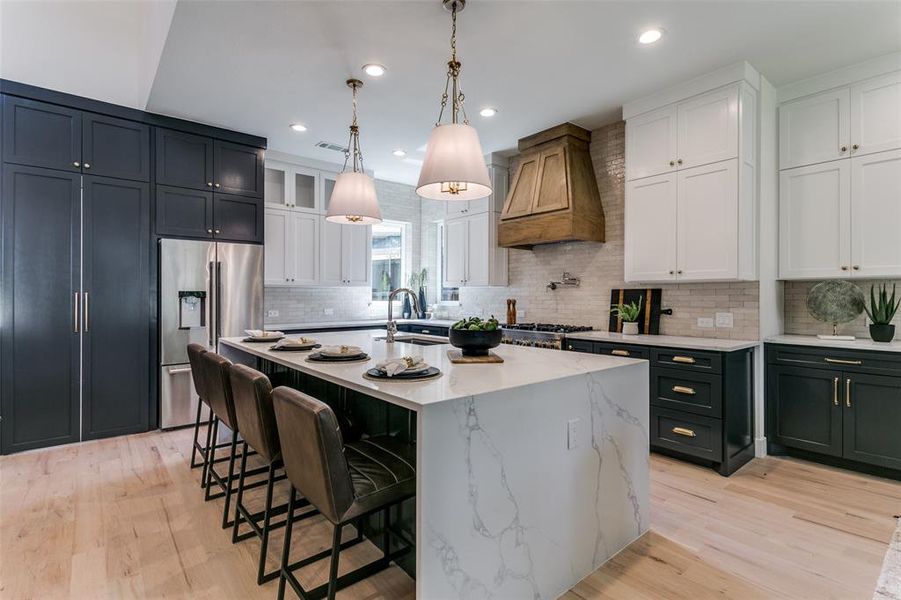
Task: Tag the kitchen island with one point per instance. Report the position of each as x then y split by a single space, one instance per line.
530 474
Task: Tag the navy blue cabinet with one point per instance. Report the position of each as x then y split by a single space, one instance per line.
184 160
115 148
41 135
238 169
805 408
237 218
184 213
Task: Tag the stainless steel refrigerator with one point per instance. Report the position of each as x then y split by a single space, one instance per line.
208 290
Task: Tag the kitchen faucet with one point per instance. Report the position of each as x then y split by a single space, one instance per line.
392 326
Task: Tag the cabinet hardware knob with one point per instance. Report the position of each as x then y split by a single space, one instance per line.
217 231
619 352
679 161
844 267
844 148
76 164
209 231
839 361
672 272
209 184
688 360
681 389
684 431
848 392
856 267
679 272
835 391
87 165
672 163
570 346
855 146
217 185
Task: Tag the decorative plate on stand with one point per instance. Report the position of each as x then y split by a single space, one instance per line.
835 302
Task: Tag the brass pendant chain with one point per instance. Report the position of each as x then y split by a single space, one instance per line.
353 143
453 79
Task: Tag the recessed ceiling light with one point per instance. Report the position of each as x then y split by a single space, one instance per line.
650 36
488 112
399 152
374 70
298 127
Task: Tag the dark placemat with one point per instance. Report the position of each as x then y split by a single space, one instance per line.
379 375
251 340
318 358
295 349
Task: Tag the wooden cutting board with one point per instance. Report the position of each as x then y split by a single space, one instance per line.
456 357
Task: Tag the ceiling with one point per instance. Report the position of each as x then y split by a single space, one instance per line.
260 66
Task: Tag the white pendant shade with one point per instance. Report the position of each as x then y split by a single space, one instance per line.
353 200
454 168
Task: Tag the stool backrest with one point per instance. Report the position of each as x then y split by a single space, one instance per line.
313 452
218 388
252 393
195 351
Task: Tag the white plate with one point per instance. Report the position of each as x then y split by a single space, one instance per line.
289 343
330 351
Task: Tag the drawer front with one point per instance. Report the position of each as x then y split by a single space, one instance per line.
679 389
427 329
581 346
687 433
846 360
623 350
706 362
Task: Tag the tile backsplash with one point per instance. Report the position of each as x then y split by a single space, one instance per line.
799 321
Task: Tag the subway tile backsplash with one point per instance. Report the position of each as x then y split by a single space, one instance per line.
799 321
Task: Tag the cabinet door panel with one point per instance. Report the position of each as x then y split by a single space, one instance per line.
551 193
876 214
116 148
804 409
305 246
871 417
238 169
184 160
650 236
876 115
455 248
651 143
184 212
814 221
237 218
522 190
478 257
456 209
356 251
278 241
41 135
814 129
39 346
116 280
707 222
708 128
330 259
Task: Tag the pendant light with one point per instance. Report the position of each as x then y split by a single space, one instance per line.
454 167
353 200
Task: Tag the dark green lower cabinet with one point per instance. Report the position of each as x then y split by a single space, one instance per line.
872 419
805 409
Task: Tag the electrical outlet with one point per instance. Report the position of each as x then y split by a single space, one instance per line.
328 311
705 322
572 434
271 313
724 319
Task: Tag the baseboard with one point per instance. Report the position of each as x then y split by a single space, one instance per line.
760 447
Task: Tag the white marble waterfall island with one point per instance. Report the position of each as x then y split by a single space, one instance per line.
506 508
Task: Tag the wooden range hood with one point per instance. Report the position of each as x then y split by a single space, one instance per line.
554 195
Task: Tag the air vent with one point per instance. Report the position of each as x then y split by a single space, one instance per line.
331 146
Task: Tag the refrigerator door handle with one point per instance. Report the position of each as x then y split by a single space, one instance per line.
218 303
210 305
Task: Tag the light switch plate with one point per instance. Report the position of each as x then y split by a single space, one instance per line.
271 313
705 322
724 319
328 311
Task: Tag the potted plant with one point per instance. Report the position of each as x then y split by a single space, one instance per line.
881 311
628 314
423 283
407 311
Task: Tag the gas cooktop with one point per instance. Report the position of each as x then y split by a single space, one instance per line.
547 327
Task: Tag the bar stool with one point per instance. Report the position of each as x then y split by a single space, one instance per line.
252 394
214 370
344 482
195 351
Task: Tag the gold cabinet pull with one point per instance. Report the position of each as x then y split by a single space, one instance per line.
87 311
620 353
75 314
684 359
840 361
848 392
681 389
835 391
684 431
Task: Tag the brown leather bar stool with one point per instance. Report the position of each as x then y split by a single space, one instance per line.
195 351
344 482
252 394
214 370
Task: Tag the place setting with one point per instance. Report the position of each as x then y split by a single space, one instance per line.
297 344
338 354
403 368
262 336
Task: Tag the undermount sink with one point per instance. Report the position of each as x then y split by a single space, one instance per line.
418 341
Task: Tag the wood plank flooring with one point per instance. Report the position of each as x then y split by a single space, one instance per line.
125 518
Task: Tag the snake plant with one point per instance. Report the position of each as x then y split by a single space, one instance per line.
882 308
627 312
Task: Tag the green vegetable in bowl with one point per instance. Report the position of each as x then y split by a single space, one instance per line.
477 324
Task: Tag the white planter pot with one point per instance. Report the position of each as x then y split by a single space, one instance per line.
630 328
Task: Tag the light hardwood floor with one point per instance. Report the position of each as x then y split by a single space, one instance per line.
124 518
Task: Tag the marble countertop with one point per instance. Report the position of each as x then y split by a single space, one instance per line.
522 367
356 323
858 344
669 341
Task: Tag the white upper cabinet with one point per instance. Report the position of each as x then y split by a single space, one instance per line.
305 252
650 216
708 128
876 115
478 264
331 259
876 215
707 222
291 186
345 253
277 224
471 255
651 143
814 221
292 247
456 246
815 129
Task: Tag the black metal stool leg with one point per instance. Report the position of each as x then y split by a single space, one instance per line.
333 567
228 480
211 456
206 454
240 496
194 463
286 549
264 543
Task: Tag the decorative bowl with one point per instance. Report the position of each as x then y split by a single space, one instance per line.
475 343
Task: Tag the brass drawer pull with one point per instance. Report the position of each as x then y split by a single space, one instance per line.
684 359
681 389
848 392
835 391
684 431
620 352
839 361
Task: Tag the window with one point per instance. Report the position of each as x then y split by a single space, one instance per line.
390 263
449 295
